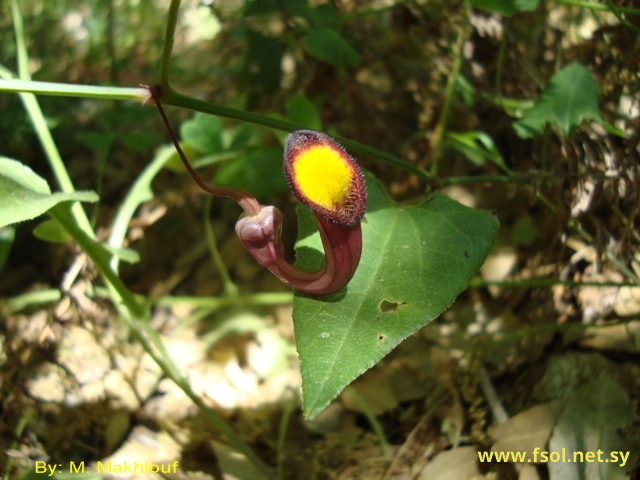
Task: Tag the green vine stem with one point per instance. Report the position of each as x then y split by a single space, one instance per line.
599 6
170 97
441 127
373 420
138 94
542 282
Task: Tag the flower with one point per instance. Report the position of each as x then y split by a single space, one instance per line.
323 177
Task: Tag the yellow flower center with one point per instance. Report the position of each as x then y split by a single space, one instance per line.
323 176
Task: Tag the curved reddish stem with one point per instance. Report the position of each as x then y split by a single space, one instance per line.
342 246
248 203
259 231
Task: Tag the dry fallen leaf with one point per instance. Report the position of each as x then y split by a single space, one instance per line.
453 465
527 430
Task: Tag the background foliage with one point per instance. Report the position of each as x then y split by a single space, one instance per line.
525 108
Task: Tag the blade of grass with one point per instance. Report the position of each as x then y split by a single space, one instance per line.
139 192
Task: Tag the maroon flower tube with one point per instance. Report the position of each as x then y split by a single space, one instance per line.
326 179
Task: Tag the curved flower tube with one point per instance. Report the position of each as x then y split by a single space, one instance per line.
342 247
326 179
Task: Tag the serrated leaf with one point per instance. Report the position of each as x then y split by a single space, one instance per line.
570 99
203 133
591 422
415 262
25 195
506 7
329 46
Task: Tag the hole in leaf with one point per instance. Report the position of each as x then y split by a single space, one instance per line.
380 337
390 307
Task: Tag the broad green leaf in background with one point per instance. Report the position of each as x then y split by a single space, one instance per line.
258 171
570 98
327 45
203 133
303 112
591 421
25 195
415 261
506 7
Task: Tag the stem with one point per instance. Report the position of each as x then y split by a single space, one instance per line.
142 330
137 94
282 435
542 282
171 97
502 53
214 303
463 180
448 97
21 44
167 47
620 18
99 256
36 116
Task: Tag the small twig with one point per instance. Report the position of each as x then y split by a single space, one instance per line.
493 399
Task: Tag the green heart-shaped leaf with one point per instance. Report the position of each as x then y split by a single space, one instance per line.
415 261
